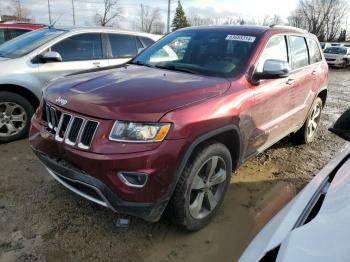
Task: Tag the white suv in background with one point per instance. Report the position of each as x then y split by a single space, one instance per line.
337 56
30 61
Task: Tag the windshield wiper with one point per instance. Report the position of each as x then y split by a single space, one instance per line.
176 68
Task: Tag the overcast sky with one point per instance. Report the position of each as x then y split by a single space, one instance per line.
86 9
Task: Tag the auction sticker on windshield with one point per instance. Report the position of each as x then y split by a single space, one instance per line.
241 38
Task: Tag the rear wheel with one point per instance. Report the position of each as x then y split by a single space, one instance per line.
308 132
202 187
15 115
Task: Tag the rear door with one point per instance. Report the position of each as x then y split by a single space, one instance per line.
272 109
122 48
78 52
301 78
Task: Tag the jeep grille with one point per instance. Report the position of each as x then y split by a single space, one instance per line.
70 129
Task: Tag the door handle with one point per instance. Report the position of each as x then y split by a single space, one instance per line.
314 72
97 64
290 81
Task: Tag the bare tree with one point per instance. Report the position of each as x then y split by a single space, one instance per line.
276 20
271 20
17 10
111 11
197 20
323 18
158 28
150 18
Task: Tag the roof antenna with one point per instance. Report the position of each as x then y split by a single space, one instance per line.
54 22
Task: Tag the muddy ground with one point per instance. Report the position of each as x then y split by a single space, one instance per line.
42 221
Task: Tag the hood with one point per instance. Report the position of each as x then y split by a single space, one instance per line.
309 242
326 237
133 92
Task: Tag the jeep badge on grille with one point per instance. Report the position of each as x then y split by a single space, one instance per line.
61 101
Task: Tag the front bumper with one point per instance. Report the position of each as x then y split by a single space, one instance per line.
94 175
335 62
94 190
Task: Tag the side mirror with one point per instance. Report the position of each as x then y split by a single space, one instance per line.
273 69
51 57
342 126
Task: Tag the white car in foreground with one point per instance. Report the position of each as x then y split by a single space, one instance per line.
315 225
337 56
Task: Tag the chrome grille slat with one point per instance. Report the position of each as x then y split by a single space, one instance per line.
63 127
74 131
54 121
70 129
48 116
88 134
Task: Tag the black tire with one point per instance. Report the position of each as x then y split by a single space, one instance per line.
344 64
13 98
303 136
179 206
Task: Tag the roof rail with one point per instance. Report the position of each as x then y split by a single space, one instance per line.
288 27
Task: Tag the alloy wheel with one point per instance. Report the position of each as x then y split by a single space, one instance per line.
13 119
314 120
208 187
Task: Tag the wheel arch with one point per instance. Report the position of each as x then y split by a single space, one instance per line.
220 135
323 95
22 91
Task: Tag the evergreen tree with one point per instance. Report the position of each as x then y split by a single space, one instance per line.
342 36
180 19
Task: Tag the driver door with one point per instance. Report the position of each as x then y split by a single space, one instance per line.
78 52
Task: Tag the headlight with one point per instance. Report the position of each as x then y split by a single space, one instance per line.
139 132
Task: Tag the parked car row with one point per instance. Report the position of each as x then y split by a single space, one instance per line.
29 62
325 45
337 56
165 129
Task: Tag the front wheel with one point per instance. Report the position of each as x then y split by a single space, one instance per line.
15 115
308 132
344 64
201 187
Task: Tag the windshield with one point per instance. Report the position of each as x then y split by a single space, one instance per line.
206 52
26 43
336 50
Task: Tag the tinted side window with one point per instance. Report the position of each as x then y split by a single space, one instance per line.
276 48
123 46
299 53
80 47
314 51
147 41
14 32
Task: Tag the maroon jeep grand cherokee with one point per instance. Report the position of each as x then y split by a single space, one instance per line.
166 130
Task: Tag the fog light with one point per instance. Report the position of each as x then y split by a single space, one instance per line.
133 179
